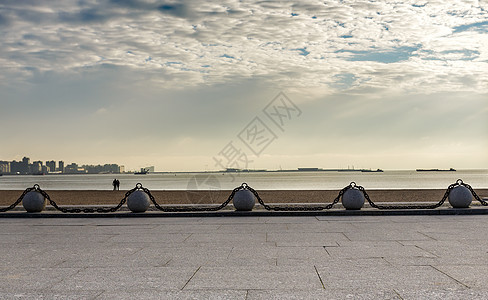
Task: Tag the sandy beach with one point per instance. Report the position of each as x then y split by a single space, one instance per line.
217 197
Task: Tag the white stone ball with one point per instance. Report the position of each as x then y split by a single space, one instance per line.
244 200
353 199
138 201
34 201
460 197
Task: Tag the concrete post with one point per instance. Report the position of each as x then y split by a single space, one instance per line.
138 201
353 199
244 200
34 201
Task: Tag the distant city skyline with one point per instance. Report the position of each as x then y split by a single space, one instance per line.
38 166
25 167
190 86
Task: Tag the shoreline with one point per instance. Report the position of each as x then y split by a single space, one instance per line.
104 197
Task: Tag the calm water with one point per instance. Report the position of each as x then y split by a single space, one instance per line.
267 180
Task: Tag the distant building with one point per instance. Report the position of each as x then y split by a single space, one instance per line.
122 169
71 169
111 168
74 169
61 166
4 167
24 166
45 169
51 165
36 167
150 169
15 167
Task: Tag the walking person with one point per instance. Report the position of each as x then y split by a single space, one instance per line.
118 184
114 183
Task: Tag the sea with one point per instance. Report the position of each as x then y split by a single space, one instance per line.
308 180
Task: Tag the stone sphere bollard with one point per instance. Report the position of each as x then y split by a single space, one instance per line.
244 200
460 197
34 201
353 199
138 201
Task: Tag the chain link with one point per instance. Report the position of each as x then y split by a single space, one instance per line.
483 202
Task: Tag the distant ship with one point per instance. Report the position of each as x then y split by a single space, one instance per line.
436 170
142 172
377 170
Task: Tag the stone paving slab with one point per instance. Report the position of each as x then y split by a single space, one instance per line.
245 257
256 278
182 295
125 278
35 295
386 277
306 239
20 279
324 294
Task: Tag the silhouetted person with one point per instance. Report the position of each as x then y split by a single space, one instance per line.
118 184
114 183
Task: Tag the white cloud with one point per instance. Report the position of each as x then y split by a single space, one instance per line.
189 40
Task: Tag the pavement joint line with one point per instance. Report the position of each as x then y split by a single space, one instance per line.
398 294
461 283
191 278
327 251
425 234
346 236
187 237
127 255
387 261
167 263
99 295
320 278
230 252
399 242
417 246
59 263
63 278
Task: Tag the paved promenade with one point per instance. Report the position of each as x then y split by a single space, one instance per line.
321 257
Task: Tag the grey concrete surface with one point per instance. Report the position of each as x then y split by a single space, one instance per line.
307 257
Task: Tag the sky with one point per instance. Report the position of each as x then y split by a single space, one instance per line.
207 85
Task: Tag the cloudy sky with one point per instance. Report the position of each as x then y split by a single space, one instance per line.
191 85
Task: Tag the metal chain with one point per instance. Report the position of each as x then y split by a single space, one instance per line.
243 186
191 208
295 207
86 209
483 202
446 194
18 200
